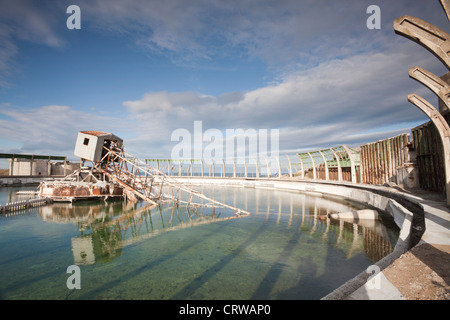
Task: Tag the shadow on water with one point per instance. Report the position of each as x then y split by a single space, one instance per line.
266 285
94 293
338 267
188 290
287 238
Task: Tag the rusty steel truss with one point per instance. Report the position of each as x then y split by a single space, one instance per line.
142 181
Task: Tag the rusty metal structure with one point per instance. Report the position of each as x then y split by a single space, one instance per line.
423 161
83 184
117 174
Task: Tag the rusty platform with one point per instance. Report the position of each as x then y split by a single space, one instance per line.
70 191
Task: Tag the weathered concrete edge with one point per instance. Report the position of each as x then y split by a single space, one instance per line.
407 212
13 181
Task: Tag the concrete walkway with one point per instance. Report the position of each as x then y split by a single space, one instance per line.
423 272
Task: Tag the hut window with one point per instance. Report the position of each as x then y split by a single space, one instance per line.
86 141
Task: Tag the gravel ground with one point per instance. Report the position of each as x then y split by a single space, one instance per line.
423 273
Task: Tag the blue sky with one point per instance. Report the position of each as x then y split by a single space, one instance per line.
142 69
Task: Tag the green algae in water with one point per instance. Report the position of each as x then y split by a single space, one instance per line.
124 251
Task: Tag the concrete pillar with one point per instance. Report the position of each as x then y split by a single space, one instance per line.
223 169
290 166
327 174
279 167
268 168
338 160
437 41
245 165
31 165
444 133
352 162
202 166
302 175
313 165
11 167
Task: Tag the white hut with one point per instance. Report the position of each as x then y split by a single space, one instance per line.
89 144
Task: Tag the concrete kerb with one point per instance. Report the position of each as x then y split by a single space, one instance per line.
410 213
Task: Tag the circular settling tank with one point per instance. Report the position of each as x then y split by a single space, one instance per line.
288 248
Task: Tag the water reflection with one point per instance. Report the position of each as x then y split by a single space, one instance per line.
107 228
9 194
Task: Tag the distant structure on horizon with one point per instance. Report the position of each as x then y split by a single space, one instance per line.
38 165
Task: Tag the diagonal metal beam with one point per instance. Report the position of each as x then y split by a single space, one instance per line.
432 82
432 38
444 132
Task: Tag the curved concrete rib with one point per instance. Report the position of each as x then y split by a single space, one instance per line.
432 82
433 114
352 162
446 5
432 38
444 132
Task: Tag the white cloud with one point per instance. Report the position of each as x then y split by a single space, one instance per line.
336 102
27 21
279 33
48 129
164 101
333 103
339 78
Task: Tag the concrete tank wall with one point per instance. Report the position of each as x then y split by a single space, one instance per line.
39 167
24 167
59 169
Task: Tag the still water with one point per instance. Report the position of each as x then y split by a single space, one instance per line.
286 249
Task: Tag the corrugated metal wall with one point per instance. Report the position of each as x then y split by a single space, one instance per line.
333 173
429 157
380 160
